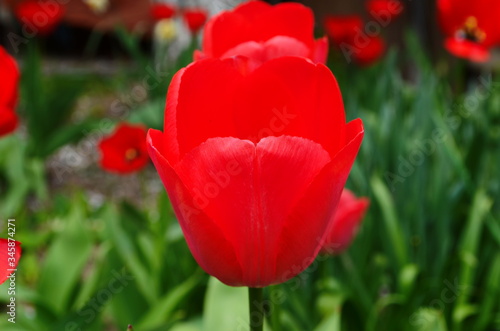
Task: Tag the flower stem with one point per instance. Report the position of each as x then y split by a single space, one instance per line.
255 298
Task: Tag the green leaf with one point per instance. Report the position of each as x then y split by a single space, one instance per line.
65 261
390 219
162 311
469 254
426 319
129 254
226 308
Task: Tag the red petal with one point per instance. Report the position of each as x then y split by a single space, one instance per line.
275 47
303 102
301 238
195 18
320 51
467 49
114 149
371 52
453 14
248 191
345 223
161 11
214 98
5 264
41 16
200 104
10 80
384 10
257 21
8 121
206 240
342 29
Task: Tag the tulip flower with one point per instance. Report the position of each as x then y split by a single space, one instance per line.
471 27
384 11
345 223
342 29
370 52
254 161
165 30
124 151
195 18
347 33
39 16
161 11
8 93
10 253
262 32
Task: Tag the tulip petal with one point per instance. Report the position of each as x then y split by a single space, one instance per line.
213 252
257 21
199 104
300 239
320 51
276 101
8 121
10 80
243 193
345 223
467 50
5 264
270 101
273 48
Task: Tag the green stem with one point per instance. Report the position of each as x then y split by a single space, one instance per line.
255 298
275 308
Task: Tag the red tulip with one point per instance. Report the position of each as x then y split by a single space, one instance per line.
347 33
10 253
40 16
343 29
124 151
345 223
160 11
384 11
370 52
471 27
8 93
8 121
254 163
195 18
263 32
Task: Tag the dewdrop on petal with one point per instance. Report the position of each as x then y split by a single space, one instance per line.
97 6
165 30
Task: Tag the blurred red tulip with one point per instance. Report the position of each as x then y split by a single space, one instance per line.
8 93
195 18
40 16
160 11
8 121
254 163
471 27
125 150
384 11
343 29
347 33
369 53
346 220
10 253
263 32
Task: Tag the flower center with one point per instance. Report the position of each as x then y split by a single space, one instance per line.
131 154
471 31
